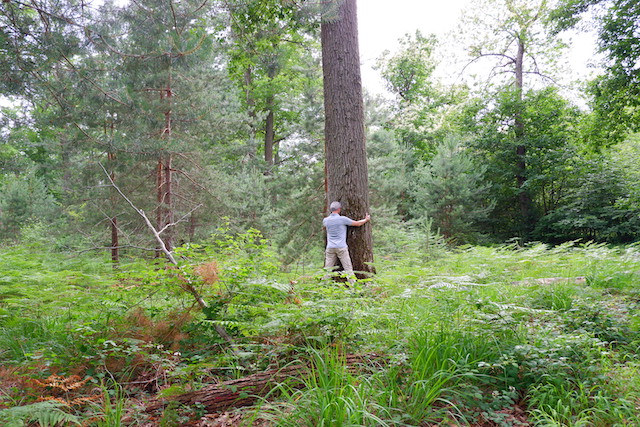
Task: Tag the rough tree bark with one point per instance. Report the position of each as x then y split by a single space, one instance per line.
345 147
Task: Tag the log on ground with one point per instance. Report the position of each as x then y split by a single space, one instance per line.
237 393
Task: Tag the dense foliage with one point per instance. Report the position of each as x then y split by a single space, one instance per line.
200 112
130 131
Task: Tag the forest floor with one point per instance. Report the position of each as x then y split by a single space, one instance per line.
481 337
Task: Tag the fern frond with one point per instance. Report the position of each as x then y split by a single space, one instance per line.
48 413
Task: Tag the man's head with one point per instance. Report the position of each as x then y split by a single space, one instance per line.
335 206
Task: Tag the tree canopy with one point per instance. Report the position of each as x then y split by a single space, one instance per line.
200 112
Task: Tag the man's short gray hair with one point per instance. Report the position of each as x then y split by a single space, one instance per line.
335 206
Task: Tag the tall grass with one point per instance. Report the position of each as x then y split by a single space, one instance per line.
332 396
111 413
441 364
30 339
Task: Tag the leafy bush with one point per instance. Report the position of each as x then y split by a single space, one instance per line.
597 208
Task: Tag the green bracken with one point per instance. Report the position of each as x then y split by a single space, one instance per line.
503 335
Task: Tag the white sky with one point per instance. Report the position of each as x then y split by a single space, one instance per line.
381 23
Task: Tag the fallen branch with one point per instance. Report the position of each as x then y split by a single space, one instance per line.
187 285
246 391
237 393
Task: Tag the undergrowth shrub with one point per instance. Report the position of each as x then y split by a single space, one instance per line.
592 318
24 199
577 404
466 336
398 240
444 377
29 339
559 298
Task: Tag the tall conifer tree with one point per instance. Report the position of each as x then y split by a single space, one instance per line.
346 157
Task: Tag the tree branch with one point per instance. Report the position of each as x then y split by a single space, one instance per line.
144 216
187 283
180 220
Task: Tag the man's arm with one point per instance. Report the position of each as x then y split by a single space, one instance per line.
366 219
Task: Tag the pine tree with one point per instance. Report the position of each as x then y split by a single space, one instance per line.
345 150
451 190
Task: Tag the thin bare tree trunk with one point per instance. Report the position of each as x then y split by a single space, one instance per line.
521 149
167 200
269 138
159 198
115 244
165 173
113 221
269 130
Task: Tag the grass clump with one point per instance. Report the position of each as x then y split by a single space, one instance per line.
333 396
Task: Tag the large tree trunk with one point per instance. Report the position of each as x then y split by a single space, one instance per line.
346 157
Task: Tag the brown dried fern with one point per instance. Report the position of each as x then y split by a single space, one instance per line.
58 384
208 272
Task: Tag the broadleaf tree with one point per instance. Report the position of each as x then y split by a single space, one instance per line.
511 38
409 74
270 45
616 92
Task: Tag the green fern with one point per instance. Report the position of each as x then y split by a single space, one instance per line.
46 414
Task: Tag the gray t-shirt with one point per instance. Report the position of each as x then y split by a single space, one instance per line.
336 226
